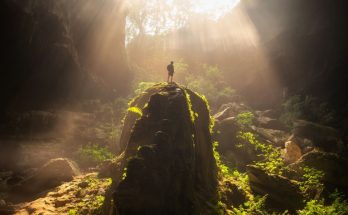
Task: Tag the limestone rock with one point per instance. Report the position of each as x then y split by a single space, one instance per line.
277 137
333 166
270 123
323 137
292 152
50 175
230 110
170 168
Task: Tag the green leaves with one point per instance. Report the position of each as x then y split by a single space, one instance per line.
339 206
245 118
311 180
93 154
273 162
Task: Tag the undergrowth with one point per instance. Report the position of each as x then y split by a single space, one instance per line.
339 206
93 154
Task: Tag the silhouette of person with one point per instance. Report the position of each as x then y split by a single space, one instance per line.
170 69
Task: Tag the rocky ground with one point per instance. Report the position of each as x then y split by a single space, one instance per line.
58 187
37 153
85 194
277 158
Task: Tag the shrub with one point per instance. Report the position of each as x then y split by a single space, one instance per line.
93 154
255 206
307 108
311 181
273 162
339 206
245 118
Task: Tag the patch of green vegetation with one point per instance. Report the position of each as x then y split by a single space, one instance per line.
136 110
245 118
224 171
307 108
255 206
106 125
311 181
73 212
220 208
90 200
93 154
272 163
193 115
234 176
339 206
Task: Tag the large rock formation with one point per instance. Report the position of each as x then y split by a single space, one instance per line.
55 50
169 167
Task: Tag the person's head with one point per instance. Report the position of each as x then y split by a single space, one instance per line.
171 62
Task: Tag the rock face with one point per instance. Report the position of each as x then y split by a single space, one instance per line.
61 49
171 168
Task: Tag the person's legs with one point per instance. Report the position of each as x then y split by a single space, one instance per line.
171 79
168 79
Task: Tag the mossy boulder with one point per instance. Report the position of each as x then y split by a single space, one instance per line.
169 167
282 193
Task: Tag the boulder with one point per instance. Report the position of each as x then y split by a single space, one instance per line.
225 113
277 137
230 110
325 138
266 122
169 167
282 193
50 175
333 166
271 113
292 152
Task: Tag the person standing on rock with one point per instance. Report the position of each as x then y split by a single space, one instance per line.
170 69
